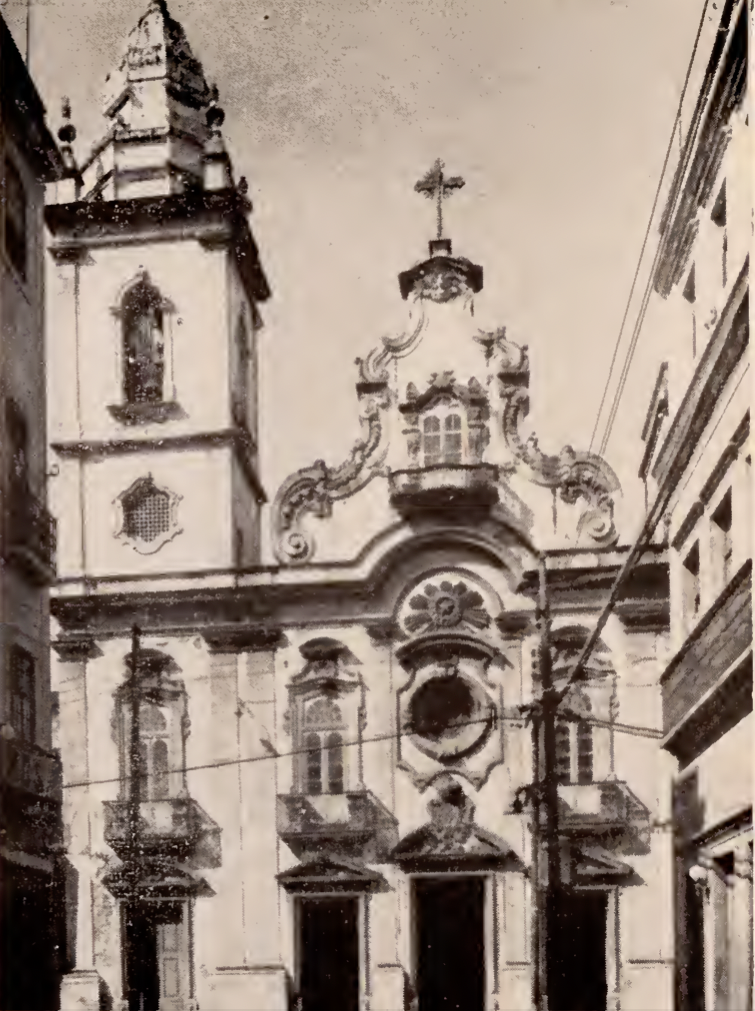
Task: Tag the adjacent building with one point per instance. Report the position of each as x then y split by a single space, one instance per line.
301 775
31 879
692 372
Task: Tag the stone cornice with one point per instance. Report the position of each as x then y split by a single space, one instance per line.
240 439
76 649
218 216
248 639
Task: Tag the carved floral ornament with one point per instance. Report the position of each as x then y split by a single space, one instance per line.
444 607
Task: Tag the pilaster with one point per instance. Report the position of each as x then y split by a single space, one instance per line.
613 952
740 929
82 986
242 685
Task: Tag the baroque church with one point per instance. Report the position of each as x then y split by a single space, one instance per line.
296 731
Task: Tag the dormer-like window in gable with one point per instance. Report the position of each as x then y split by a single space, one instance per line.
143 322
442 431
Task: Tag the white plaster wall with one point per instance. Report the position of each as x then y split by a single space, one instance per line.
202 479
726 773
198 332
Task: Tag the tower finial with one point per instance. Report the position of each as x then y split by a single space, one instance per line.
436 186
67 132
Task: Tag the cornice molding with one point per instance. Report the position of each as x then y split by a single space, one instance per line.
238 438
76 649
250 639
218 216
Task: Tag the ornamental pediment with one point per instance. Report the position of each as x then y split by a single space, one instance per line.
451 834
443 388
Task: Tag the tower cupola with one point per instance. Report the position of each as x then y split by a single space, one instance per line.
155 110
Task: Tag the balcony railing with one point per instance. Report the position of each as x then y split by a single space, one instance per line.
169 827
443 485
343 822
696 674
30 796
31 538
609 806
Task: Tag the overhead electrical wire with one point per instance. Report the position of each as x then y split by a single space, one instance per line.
274 755
614 356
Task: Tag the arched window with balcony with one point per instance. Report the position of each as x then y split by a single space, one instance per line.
323 745
162 726
155 740
574 747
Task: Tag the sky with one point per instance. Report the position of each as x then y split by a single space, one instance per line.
557 114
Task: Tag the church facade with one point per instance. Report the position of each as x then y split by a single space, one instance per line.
311 781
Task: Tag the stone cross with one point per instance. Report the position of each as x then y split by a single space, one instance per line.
437 187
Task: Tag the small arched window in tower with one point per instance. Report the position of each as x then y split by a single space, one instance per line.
323 744
142 318
574 749
442 438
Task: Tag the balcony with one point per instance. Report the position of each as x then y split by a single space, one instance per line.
30 535
342 823
707 687
607 807
167 828
30 797
442 486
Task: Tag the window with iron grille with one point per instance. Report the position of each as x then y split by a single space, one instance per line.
146 512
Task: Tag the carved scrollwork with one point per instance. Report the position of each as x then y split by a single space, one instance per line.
374 368
313 490
574 474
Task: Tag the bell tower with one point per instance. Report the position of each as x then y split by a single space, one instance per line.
154 291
